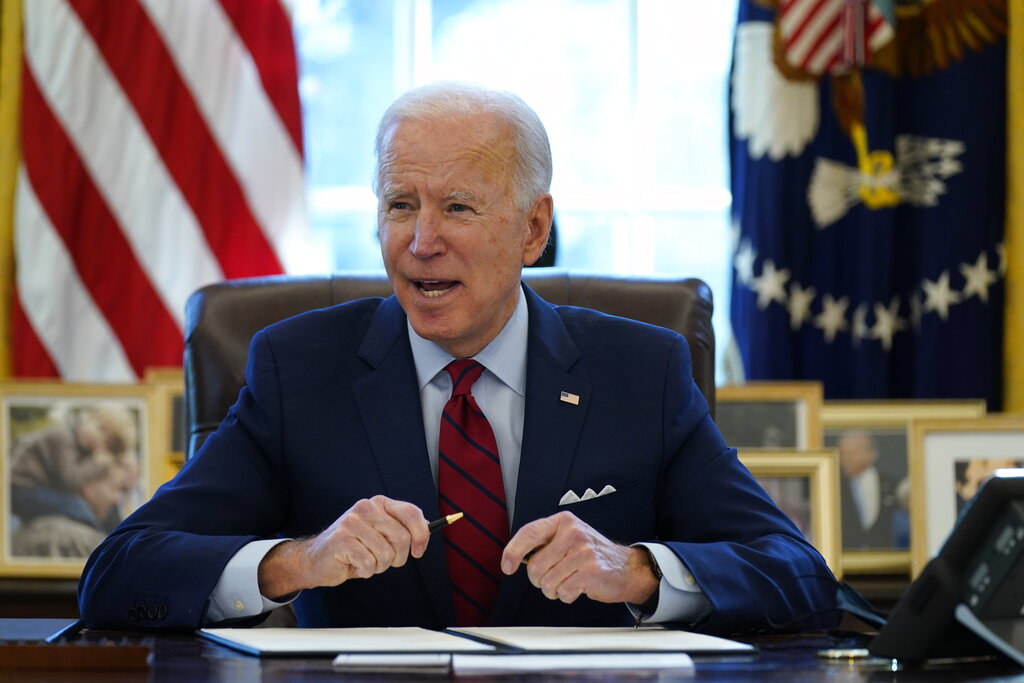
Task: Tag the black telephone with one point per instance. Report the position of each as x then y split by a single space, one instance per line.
969 600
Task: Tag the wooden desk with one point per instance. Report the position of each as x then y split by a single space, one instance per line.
785 659
38 598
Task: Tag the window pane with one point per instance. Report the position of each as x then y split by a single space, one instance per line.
691 45
571 60
347 68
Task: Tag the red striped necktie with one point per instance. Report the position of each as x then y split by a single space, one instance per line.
469 481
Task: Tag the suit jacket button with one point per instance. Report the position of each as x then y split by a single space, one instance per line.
161 612
133 615
151 611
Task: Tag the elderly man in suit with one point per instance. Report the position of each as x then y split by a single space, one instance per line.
870 499
596 487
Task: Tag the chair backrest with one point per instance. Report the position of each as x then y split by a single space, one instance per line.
220 320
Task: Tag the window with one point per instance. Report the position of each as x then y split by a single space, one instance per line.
632 92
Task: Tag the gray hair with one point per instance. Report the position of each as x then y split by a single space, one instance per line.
531 172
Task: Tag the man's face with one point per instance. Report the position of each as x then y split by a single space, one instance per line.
452 238
980 470
856 453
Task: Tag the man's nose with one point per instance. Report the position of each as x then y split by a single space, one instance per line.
428 238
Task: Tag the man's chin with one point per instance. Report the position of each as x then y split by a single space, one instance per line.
431 328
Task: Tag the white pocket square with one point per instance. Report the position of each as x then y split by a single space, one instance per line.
570 497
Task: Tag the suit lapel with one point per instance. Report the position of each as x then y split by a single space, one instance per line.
399 445
551 432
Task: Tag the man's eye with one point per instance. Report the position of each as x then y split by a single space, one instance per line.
458 207
401 206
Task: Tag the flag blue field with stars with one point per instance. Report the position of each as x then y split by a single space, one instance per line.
868 151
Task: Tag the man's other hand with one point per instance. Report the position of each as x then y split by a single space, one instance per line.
370 537
566 558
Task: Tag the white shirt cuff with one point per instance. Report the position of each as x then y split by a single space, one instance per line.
679 596
237 593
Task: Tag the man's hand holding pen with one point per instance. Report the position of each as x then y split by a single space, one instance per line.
567 557
372 536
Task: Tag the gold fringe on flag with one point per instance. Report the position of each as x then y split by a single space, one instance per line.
10 103
1013 341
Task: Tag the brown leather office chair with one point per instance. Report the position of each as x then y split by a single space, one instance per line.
220 320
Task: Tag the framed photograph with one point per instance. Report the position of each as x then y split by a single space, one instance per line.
168 419
805 485
76 459
770 414
949 460
872 438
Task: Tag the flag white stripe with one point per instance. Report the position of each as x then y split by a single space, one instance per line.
793 14
241 117
805 43
71 328
826 52
114 146
881 35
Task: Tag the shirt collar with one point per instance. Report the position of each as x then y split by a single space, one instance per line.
504 357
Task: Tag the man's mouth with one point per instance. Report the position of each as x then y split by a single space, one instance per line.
435 288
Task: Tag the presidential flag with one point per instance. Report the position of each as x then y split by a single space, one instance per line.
160 149
1013 361
868 178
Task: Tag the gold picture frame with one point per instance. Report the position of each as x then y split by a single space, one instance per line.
169 432
948 459
814 508
858 429
76 458
776 415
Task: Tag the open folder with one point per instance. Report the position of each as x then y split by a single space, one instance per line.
328 642
477 640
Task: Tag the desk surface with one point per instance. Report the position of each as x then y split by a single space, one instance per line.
180 657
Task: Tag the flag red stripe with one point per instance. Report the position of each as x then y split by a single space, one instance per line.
267 33
836 59
798 30
823 35
166 108
29 358
104 259
875 21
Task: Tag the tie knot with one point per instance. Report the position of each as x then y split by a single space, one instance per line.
464 373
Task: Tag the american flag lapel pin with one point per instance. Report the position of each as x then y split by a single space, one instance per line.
565 396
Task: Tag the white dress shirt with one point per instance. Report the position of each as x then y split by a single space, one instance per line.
501 394
866 489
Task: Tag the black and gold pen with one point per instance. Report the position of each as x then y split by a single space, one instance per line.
443 522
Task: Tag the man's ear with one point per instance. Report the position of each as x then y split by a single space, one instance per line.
540 217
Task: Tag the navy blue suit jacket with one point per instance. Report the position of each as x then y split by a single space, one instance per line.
331 414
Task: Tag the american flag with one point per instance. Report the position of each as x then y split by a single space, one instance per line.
881 299
828 36
161 150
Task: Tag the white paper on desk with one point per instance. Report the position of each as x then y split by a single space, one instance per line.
632 661
332 641
602 639
405 662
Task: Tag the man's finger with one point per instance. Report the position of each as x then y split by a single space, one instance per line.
550 568
570 589
360 558
413 523
394 541
531 537
369 550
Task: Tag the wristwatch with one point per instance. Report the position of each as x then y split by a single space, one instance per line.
648 607
652 562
